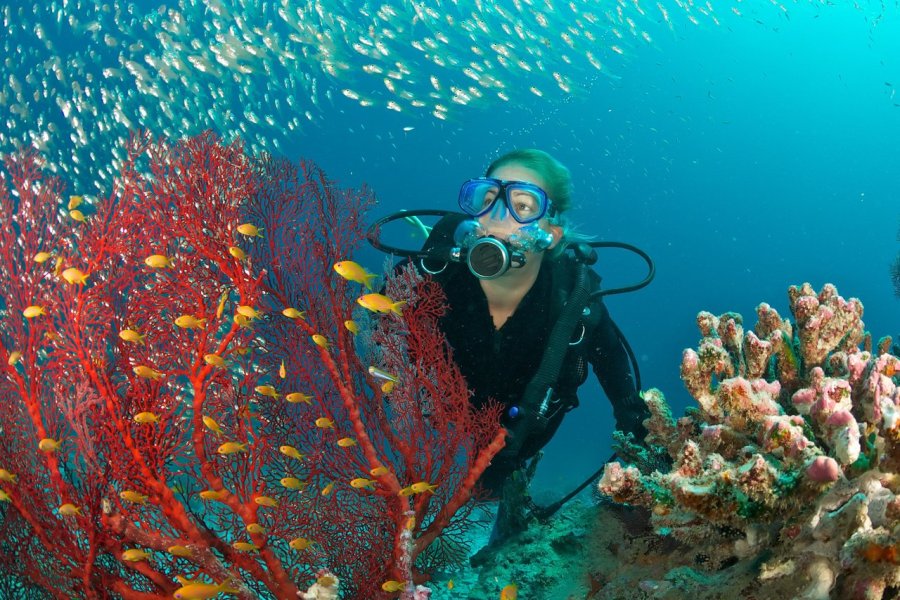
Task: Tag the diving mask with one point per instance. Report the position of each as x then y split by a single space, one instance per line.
525 201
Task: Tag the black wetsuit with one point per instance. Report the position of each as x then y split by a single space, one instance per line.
499 363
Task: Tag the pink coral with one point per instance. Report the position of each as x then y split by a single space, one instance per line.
823 469
813 452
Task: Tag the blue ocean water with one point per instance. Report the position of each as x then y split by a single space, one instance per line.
744 158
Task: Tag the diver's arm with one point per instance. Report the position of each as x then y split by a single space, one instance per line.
613 369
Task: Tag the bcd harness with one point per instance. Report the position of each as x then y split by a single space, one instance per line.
551 392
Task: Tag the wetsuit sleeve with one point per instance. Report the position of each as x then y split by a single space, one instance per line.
611 364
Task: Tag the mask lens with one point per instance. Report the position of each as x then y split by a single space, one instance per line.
525 203
477 196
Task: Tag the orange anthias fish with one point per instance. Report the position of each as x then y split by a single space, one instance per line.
381 303
351 271
193 590
510 592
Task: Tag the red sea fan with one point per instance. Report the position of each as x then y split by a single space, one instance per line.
195 420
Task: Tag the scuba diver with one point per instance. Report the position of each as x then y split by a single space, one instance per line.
525 318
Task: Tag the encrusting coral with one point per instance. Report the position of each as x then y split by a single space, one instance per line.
790 460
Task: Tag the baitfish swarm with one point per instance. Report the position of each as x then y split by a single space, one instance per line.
78 76
790 460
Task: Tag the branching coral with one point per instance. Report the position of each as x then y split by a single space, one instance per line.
790 460
169 409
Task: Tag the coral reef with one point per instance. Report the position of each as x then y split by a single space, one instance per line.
787 468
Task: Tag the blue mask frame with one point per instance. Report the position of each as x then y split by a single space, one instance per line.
471 198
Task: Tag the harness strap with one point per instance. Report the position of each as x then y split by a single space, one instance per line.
539 392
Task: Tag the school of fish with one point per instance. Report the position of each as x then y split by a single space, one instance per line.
79 75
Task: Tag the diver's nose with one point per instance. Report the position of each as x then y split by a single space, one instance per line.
498 211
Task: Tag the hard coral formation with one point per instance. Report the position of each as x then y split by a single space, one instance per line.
790 461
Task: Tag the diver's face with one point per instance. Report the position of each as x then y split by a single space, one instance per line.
498 221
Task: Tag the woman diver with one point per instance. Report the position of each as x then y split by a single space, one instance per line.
525 318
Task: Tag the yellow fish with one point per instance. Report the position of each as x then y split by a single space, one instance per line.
75 202
49 445
130 335
381 303
220 308
300 544
249 229
146 417
351 326
327 489
74 276
5 497
292 313
320 340
423 486
201 591
266 501
351 271
324 423
450 584
14 357
295 397
241 320
245 547
510 592
231 448
346 442
267 390
255 528
291 451
282 371
214 360
34 311
69 510
146 372
42 257
131 496
135 555
393 586
379 471
362 482
248 311
190 322
158 261
7 476
387 387
178 550
292 483
211 424
77 215
212 494
237 253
